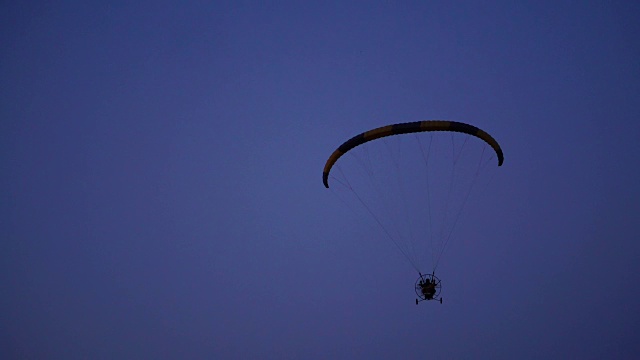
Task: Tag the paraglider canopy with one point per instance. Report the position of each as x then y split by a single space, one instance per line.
406 128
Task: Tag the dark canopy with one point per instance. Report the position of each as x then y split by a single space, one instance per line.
405 128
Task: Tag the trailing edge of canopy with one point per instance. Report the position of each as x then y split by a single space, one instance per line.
405 128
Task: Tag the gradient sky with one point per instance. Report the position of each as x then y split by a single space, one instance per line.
161 193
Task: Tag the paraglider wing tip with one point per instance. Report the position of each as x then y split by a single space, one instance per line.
325 179
500 158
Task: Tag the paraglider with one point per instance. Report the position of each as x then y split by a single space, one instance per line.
428 287
413 179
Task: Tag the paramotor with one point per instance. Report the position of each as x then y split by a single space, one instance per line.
413 180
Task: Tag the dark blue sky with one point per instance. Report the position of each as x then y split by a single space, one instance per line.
161 193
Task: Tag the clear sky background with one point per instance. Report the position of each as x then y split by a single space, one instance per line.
161 193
